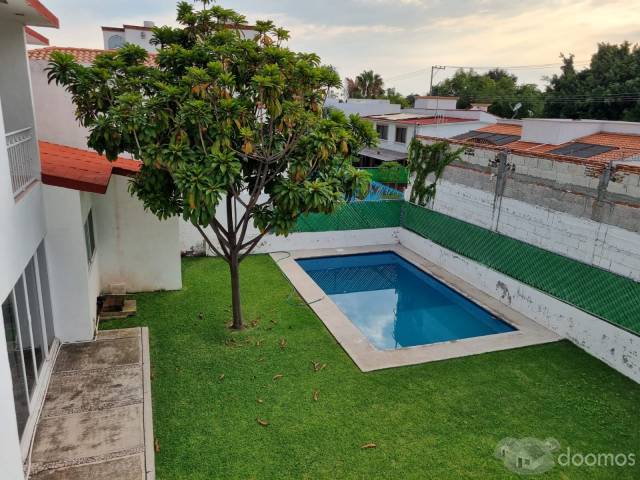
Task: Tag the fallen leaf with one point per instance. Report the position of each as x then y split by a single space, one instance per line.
201 315
221 377
259 401
264 423
259 343
261 359
274 322
156 446
254 323
283 343
316 395
369 445
278 377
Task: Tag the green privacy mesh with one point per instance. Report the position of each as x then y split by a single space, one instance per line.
354 216
398 175
601 293
596 291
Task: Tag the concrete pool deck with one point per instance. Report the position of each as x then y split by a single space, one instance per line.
96 420
366 356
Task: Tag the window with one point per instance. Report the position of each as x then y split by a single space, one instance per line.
115 41
401 134
89 237
383 131
28 328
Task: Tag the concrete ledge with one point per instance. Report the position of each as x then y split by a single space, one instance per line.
366 356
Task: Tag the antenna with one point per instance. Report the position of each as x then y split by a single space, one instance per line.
515 109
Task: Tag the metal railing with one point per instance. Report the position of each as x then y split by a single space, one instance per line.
23 164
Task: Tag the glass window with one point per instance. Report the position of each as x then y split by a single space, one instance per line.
37 327
16 365
89 237
401 134
26 336
383 131
115 41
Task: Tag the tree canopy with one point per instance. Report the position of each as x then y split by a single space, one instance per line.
497 87
608 89
218 119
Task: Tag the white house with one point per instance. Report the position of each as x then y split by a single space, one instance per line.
70 231
115 37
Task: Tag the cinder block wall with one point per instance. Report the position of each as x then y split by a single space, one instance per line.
559 206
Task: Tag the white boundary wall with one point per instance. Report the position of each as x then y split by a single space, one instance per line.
606 246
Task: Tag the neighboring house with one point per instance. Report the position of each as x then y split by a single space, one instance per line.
70 230
115 37
397 130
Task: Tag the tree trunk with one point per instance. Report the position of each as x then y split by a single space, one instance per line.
234 267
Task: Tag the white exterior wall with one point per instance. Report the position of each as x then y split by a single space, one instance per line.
135 247
22 229
616 347
55 114
364 107
69 275
390 143
448 130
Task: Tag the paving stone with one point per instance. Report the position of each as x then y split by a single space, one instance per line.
93 390
101 354
127 468
77 438
119 333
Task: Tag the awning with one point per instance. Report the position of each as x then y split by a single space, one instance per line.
384 154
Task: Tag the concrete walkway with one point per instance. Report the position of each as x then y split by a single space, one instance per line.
96 420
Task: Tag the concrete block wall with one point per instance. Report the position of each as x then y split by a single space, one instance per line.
595 243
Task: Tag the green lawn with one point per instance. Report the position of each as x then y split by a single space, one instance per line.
435 421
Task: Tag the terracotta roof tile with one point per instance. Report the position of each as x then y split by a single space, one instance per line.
503 129
82 55
79 169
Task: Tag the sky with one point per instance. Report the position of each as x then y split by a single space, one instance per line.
399 39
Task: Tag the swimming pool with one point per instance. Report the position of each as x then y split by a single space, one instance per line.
397 305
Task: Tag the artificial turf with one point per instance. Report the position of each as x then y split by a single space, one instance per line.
442 420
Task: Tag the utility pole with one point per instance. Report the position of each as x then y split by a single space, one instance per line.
434 67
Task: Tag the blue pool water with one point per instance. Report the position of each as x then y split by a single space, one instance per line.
395 304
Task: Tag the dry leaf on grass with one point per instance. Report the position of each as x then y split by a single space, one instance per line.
156 446
278 377
259 401
368 445
316 395
283 343
261 422
221 377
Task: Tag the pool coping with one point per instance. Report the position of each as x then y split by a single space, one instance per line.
369 358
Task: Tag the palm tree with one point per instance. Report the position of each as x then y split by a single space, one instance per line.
366 85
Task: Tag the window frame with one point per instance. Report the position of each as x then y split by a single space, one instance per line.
404 135
89 238
383 128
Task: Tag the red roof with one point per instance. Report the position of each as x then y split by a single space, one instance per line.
79 169
82 55
45 13
35 38
503 129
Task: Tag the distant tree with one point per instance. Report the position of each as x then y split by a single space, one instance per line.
411 99
497 87
396 97
608 89
366 85
219 120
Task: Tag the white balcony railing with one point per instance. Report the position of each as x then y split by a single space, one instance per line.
23 164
